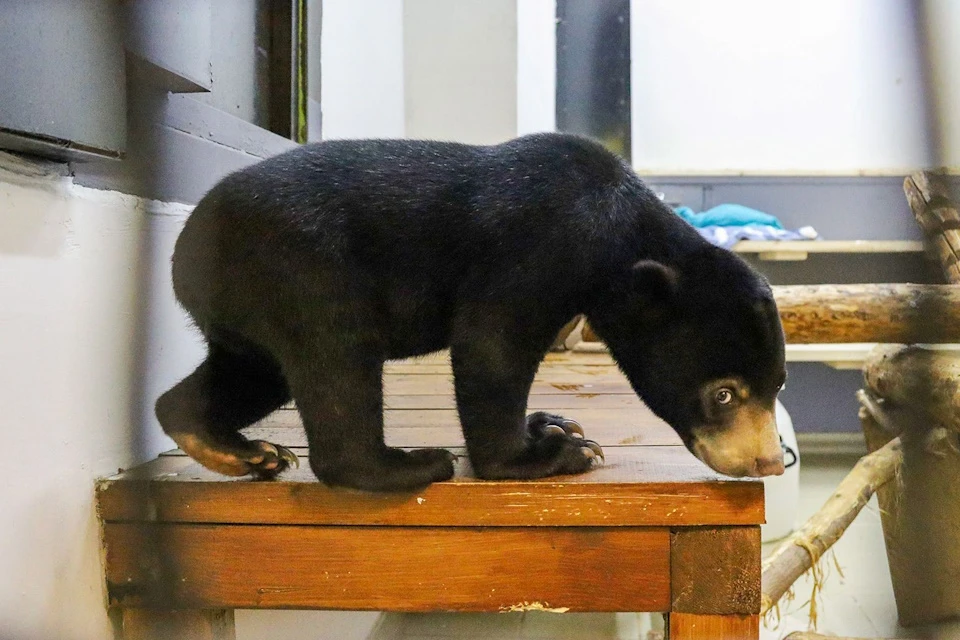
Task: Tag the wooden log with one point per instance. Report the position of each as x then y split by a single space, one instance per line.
900 313
919 388
810 635
936 213
920 515
804 547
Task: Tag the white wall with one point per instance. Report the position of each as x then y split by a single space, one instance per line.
362 69
755 86
460 70
90 335
71 261
536 66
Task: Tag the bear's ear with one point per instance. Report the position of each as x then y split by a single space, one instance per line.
654 281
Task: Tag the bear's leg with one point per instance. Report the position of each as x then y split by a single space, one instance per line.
228 391
340 399
492 381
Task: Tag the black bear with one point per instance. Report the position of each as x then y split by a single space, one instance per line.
309 270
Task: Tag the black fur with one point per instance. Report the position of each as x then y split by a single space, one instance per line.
307 271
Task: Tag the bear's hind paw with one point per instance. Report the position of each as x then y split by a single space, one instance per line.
258 458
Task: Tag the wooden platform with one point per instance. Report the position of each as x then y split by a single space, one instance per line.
651 530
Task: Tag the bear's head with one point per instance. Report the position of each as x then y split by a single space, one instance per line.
702 344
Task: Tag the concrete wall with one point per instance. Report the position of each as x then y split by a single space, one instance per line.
460 70
71 266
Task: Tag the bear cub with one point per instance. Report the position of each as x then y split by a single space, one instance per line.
309 270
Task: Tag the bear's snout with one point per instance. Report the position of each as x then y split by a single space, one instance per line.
747 446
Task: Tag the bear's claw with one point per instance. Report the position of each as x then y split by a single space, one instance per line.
573 428
546 425
593 451
290 457
275 459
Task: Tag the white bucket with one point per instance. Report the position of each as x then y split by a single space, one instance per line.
782 493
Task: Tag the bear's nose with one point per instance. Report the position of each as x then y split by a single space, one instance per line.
769 466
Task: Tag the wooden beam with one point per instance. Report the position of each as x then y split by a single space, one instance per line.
638 485
389 568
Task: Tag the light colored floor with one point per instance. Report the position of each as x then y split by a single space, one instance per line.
858 604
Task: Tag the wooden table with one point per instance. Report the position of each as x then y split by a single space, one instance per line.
652 530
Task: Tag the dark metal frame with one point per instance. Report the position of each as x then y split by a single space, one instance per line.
593 71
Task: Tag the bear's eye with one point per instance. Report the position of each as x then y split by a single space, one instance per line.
724 396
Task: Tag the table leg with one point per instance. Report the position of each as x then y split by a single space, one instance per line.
180 624
714 583
692 626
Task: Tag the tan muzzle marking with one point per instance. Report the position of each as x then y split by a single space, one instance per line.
748 446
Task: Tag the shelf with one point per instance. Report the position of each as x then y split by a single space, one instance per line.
800 249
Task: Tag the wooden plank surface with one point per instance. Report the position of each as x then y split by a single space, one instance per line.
607 434
415 385
648 479
638 486
389 568
441 427
715 570
556 402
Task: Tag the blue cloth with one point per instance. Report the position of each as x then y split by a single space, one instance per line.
728 215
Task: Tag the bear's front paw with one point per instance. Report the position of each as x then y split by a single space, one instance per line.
544 425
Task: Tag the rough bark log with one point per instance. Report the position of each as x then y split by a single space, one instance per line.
936 213
899 313
918 388
810 635
804 547
920 512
